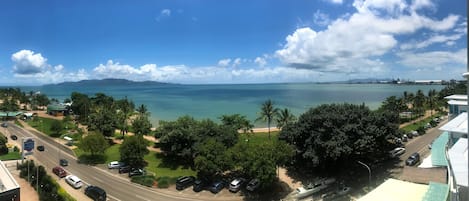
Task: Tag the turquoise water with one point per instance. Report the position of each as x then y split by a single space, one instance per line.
168 101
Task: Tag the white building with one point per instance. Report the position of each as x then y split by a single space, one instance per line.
9 188
457 104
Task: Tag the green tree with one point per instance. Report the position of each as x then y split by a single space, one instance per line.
103 120
56 127
330 136
210 159
142 110
419 102
285 117
432 100
268 113
141 125
81 106
132 151
94 143
393 104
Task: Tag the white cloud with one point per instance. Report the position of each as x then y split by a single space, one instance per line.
236 62
27 62
434 59
335 1
321 19
224 62
163 14
448 40
260 61
352 44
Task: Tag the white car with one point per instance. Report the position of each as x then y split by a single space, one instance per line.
310 189
397 152
115 164
74 181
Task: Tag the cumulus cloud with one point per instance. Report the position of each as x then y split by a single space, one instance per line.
224 62
260 61
163 14
446 39
335 1
353 43
28 62
236 62
321 19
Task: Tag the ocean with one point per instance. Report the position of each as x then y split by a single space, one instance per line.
170 101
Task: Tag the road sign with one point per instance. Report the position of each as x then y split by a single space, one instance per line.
28 146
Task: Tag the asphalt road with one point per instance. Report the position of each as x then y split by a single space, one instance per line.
118 187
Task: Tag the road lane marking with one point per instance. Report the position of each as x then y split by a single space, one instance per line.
141 197
112 197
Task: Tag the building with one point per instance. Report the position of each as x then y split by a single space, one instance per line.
57 110
9 188
457 104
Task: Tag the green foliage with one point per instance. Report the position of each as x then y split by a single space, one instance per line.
285 117
3 144
236 121
141 125
132 151
180 138
11 156
146 180
81 105
330 136
94 143
56 128
103 120
268 113
211 158
164 182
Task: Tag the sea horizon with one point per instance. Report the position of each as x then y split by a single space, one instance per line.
168 102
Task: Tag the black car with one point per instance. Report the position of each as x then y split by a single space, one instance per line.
40 148
136 172
184 182
199 185
95 193
216 187
413 159
14 137
124 169
63 162
4 124
253 185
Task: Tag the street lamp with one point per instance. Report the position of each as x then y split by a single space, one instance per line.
369 172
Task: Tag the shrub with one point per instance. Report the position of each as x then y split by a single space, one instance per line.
146 180
165 182
421 130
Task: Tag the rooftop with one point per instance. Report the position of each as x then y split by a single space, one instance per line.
457 97
393 189
7 182
458 159
457 102
456 125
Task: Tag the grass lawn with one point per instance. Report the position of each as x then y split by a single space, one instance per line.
166 169
43 124
112 153
257 138
11 156
415 126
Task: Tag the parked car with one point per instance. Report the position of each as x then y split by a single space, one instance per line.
114 165
40 148
410 136
415 133
397 152
95 193
63 162
413 159
236 184
124 169
199 185
136 172
253 185
74 181
184 182
4 124
14 137
59 171
216 187
314 187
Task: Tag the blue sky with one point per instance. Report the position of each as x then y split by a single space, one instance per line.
212 41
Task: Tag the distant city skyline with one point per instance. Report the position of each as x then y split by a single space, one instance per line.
210 41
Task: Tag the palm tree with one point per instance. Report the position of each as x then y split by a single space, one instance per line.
432 98
419 101
268 112
142 109
285 117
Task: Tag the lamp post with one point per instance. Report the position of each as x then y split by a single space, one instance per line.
369 173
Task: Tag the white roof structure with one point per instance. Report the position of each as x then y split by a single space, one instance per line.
456 125
7 182
457 102
458 159
393 189
457 97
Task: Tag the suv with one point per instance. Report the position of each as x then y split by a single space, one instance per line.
40 148
96 193
236 184
199 185
184 182
114 165
4 125
216 187
124 169
413 159
74 181
59 171
136 171
253 185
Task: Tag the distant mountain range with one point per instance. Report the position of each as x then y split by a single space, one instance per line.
105 82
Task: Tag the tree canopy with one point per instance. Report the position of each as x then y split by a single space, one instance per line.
330 135
95 143
132 151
